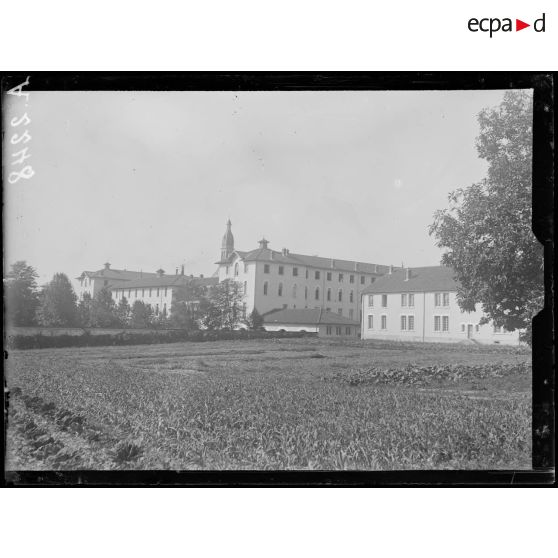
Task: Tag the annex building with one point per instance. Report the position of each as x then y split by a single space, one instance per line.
421 305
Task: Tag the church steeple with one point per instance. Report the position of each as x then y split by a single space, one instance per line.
227 246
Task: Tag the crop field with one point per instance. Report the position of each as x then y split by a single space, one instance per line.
270 404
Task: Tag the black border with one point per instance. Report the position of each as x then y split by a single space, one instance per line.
543 226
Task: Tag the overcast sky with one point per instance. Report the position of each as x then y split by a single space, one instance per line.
148 179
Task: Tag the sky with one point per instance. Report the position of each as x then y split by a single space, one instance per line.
147 180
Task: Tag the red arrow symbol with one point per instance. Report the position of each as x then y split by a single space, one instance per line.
519 25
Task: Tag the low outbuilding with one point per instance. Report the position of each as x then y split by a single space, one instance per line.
311 320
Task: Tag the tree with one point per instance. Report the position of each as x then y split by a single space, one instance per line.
84 310
141 315
21 294
486 230
57 306
103 310
254 320
123 311
225 299
208 315
182 316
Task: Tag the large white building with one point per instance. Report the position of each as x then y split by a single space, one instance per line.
421 305
272 279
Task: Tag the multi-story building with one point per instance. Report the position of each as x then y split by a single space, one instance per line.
91 282
421 305
274 279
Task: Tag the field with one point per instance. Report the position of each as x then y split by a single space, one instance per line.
270 404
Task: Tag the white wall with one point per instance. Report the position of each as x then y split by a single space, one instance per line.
424 311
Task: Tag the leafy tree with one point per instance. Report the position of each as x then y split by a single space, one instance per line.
57 307
225 304
123 311
254 320
182 316
103 310
486 230
84 310
21 294
208 315
141 315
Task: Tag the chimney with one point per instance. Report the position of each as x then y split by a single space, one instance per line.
182 270
390 269
176 272
107 265
201 275
160 272
285 252
263 243
407 274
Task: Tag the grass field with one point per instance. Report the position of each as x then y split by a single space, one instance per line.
270 404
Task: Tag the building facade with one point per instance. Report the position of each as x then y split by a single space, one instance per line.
325 324
272 279
421 305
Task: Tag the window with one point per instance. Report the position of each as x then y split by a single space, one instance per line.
403 300
136 293
411 323
347 331
165 309
351 278
328 309
445 323
130 293
266 268
328 330
236 268
340 311
150 290
285 306
227 270
305 293
245 267
370 321
437 321
316 274
351 297
340 296
166 291
384 321
245 287
265 288
372 279
156 310
281 270
462 328
295 271
384 301
294 290
445 299
337 330
362 279
370 300
329 295
328 276
403 323
306 274
351 314
477 328
143 293
340 278
244 310
280 289
411 300
157 291
437 299
317 293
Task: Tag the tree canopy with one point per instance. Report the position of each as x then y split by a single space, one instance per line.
486 231
21 294
57 307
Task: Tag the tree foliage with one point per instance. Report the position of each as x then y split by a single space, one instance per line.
123 312
103 310
225 304
21 294
58 303
141 315
84 310
486 231
254 320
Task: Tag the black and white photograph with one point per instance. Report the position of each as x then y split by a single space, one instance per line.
270 278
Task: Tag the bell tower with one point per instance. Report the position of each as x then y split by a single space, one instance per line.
227 246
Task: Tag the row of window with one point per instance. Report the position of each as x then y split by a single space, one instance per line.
338 330
317 274
317 292
407 322
408 300
122 293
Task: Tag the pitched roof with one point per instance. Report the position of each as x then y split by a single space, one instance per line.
268 255
167 281
422 279
306 316
122 274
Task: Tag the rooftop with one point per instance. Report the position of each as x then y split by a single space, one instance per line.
421 279
167 281
306 316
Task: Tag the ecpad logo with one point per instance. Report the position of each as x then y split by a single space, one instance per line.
493 25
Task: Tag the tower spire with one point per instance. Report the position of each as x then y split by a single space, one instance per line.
227 245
